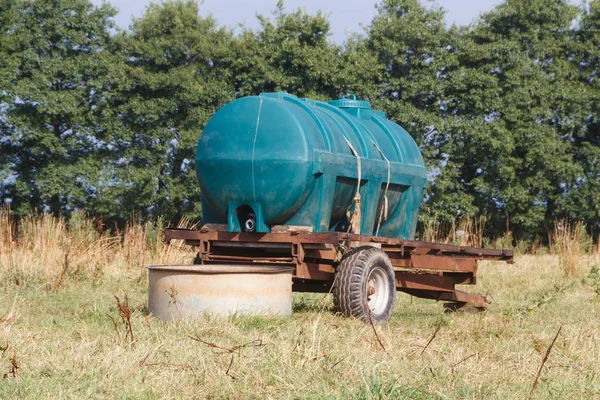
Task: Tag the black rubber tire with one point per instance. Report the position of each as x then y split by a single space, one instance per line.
350 292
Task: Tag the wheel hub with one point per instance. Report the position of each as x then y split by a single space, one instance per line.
377 290
370 290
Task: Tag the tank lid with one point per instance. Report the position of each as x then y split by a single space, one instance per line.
350 102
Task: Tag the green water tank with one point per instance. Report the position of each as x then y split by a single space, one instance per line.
276 159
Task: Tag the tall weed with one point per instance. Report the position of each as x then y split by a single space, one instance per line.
44 248
461 232
566 243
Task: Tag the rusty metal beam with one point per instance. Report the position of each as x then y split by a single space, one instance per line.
442 263
256 245
248 258
456 296
315 271
462 278
336 238
408 280
492 254
325 254
400 262
333 237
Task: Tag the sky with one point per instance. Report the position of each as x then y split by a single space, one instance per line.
344 15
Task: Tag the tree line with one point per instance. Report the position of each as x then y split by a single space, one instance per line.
505 110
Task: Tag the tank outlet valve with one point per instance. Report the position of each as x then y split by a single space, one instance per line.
250 225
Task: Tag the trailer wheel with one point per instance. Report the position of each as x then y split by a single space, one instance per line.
365 285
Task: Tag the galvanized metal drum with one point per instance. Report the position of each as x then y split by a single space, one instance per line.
187 291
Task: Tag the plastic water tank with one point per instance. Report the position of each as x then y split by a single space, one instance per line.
276 159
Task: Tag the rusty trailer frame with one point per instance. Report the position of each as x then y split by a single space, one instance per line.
422 269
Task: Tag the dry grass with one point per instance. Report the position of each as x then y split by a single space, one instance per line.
65 345
49 250
61 342
566 243
462 232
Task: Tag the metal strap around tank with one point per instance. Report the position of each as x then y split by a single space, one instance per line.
324 131
390 136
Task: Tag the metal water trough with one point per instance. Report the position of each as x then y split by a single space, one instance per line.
187 291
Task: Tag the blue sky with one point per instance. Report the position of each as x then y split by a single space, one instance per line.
344 15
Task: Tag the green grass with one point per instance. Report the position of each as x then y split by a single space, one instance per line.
65 344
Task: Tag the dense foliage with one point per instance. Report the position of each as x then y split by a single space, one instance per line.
506 110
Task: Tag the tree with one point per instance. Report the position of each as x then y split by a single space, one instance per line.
7 62
505 111
513 104
174 75
289 52
7 72
583 202
416 54
50 133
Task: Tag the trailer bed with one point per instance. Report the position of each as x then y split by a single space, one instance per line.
422 269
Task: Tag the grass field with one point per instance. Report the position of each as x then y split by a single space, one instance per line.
58 337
